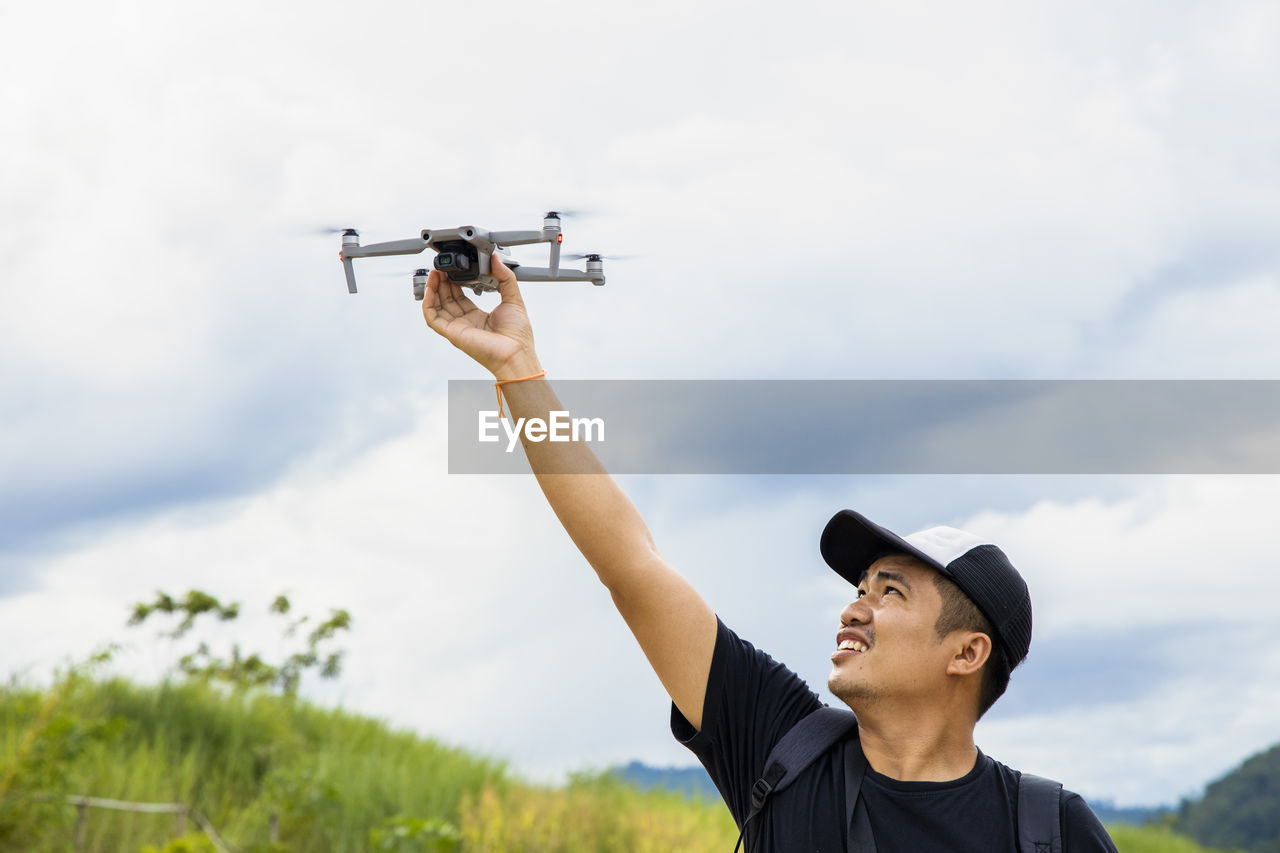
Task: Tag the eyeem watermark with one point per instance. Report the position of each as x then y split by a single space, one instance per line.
559 426
831 427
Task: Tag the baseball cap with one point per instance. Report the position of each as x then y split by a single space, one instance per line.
851 543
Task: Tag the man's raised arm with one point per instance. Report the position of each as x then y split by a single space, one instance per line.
674 626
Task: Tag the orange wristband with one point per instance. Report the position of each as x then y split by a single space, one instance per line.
497 386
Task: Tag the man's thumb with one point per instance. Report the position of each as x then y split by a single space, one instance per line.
507 286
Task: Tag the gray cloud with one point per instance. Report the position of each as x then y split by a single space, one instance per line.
1091 668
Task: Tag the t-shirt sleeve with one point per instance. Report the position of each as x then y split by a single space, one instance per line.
751 702
1082 832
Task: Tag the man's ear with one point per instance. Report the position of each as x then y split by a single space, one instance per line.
971 650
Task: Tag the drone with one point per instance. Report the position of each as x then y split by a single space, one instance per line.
463 254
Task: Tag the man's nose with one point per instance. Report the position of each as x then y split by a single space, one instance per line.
857 612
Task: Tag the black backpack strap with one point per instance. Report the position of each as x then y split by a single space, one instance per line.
855 811
1039 815
795 751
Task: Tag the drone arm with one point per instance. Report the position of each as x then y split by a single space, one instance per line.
412 246
351 273
518 238
524 273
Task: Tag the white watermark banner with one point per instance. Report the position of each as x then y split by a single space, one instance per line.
879 427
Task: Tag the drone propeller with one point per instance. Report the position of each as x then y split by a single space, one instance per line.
419 277
400 272
596 256
335 231
562 213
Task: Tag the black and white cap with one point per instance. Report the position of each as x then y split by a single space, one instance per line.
851 543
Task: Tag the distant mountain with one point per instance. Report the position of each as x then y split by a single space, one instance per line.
1109 813
690 781
1241 810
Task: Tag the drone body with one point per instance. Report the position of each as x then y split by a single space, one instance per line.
463 254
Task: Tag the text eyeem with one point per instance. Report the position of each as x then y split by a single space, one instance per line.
559 426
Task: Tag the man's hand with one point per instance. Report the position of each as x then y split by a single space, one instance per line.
500 340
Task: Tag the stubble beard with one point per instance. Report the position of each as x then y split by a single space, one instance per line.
855 694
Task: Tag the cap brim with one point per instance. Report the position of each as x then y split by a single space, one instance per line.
851 542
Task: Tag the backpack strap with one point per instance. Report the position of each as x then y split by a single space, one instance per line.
1039 819
794 752
860 839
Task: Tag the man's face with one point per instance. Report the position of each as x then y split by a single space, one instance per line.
895 654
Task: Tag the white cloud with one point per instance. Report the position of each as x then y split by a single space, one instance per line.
1185 563
1223 331
1161 748
1185 550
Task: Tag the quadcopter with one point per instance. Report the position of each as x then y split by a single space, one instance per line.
463 254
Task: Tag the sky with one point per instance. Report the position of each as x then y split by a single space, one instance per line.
191 398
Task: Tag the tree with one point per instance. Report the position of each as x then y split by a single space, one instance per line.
240 669
1241 810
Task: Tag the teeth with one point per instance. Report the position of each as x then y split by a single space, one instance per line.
852 645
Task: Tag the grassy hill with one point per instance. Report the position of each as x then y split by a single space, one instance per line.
326 780
1242 809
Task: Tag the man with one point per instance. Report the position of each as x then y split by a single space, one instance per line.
938 621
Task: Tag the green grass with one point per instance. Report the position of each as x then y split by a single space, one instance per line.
328 776
1153 839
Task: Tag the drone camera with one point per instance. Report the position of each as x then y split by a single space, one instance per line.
458 260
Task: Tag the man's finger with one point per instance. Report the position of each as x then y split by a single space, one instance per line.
451 301
507 286
458 302
433 304
442 302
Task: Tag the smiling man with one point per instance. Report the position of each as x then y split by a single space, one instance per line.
937 622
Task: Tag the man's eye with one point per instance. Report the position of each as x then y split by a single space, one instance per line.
861 592
889 589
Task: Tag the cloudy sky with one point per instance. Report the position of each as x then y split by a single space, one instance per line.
815 191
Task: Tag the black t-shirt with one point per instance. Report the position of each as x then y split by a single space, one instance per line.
752 701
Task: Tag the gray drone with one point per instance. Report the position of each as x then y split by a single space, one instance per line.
463 254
